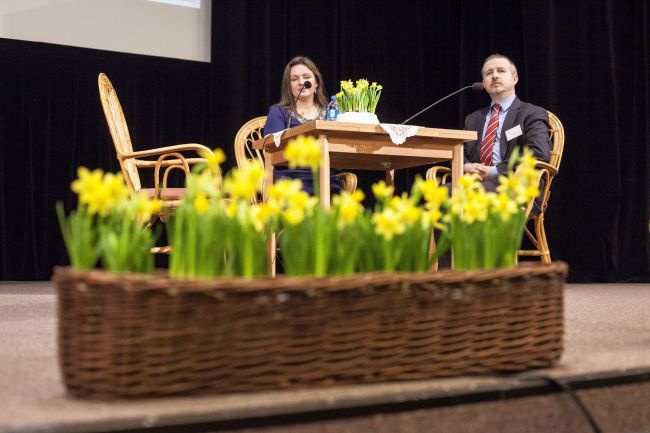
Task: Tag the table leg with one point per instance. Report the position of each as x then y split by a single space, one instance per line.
390 177
456 173
268 176
456 164
268 181
325 173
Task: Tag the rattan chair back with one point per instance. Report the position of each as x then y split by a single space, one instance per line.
119 131
245 153
247 134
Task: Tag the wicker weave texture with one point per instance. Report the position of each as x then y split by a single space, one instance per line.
144 336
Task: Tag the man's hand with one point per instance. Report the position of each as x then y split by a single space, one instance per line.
483 171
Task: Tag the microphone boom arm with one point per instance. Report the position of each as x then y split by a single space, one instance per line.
435 103
306 85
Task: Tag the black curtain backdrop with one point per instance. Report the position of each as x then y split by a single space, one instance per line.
51 121
587 61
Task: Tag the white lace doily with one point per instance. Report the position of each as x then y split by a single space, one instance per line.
399 133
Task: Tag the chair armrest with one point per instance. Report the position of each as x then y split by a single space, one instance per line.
545 166
438 170
163 150
148 163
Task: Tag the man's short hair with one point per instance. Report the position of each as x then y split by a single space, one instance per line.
513 68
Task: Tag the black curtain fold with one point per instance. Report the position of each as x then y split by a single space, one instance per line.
587 61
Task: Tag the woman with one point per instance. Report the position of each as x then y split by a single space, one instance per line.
299 104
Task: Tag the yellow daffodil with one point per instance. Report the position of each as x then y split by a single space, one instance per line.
432 192
388 224
100 192
280 191
145 208
115 188
231 209
382 191
411 214
294 215
349 206
205 182
261 213
244 183
531 191
528 161
508 184
201 203
253 170
302 201
469 182
215 159
405 209
346 85
87 183
504 206
476 208
432 216
304 151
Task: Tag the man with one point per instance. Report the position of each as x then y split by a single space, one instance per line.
507 124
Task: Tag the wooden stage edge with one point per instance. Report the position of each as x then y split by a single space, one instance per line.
606 360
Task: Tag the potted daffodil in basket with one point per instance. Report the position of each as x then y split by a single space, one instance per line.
108 224
356 301
485 229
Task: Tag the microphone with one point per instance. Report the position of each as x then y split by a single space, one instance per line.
305 85
474 86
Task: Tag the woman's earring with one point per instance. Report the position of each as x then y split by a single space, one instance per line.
315 91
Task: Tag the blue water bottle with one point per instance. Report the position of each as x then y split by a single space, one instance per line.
333 109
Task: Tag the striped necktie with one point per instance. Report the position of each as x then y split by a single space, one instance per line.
490 136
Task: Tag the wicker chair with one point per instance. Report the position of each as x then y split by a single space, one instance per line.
166 158
548 172
244 151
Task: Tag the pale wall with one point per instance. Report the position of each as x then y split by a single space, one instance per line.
130 26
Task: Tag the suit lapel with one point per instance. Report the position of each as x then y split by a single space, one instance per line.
511 120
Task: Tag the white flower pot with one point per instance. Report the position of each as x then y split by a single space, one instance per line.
356 117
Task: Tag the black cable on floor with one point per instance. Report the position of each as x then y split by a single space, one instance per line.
564 386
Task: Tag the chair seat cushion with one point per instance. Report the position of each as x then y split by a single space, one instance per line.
166 194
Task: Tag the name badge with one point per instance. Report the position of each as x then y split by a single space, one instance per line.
513 132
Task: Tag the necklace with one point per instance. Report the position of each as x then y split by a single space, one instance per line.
304 119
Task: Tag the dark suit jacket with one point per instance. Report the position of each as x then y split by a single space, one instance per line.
534 126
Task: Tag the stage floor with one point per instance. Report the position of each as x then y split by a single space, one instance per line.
607 338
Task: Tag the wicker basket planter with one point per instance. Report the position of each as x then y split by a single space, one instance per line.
143 336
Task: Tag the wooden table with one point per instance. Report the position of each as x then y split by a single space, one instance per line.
358 146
